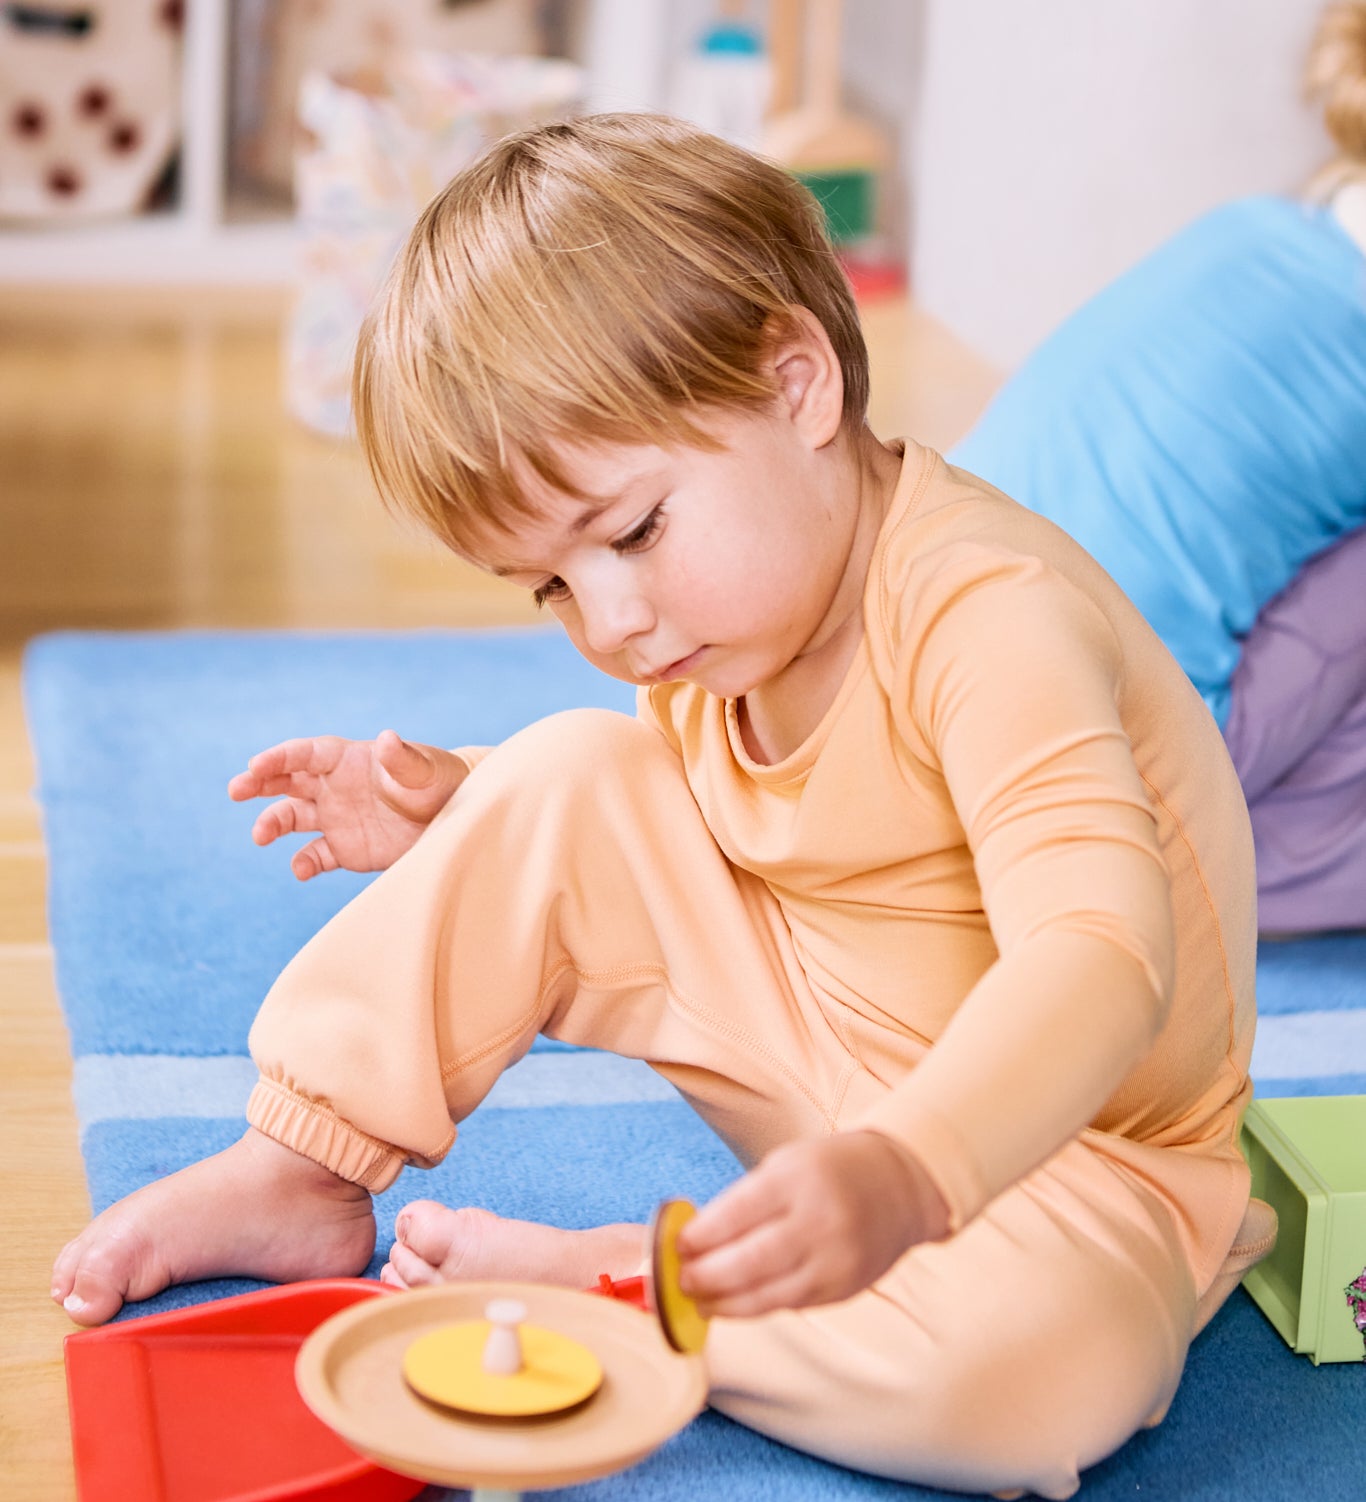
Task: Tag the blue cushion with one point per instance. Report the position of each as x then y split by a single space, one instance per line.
1200 426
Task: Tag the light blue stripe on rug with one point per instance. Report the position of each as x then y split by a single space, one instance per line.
145 1087
1305 1045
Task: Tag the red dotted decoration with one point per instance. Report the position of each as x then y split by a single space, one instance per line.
172 14
93 101
64 182
29 121
125 137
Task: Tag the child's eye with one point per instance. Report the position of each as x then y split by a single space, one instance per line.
549 593
555 591
640 537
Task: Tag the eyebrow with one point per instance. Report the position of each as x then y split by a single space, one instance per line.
583 520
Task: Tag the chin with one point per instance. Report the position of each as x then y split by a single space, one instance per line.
728 685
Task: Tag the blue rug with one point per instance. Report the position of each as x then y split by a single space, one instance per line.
169 925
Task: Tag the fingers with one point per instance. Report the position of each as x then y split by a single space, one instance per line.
791 1292
271 771
746 1204
296 816
248 785
757 1270
817 1221
289 816
312 860
741 1242
410 765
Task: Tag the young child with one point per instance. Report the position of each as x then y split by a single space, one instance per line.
1200 428
922 873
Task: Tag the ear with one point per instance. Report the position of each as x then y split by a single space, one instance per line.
806 375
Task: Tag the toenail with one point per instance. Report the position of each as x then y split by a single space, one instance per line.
401 1227
73 1303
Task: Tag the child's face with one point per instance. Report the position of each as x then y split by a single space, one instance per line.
719 568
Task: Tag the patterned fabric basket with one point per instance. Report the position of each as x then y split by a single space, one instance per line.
375 151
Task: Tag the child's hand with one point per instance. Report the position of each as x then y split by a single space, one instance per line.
368 800
817 1221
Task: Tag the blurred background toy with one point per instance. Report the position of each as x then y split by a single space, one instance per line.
276 43
837 154
89 105
372 150
723 82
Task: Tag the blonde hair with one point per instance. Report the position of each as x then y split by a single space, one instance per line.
602 279
1335 74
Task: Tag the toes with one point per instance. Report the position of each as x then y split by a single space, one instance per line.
93 1297
409 1270
442 1238
109 1262
64 1269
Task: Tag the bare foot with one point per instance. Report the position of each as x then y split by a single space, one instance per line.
258 1210
439 1245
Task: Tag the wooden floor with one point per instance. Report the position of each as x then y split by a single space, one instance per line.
149 479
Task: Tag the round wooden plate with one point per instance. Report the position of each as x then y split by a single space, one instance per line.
350 1373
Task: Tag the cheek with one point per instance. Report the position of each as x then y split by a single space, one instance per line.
716 579
751 587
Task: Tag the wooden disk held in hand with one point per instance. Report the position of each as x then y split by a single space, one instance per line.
684 1327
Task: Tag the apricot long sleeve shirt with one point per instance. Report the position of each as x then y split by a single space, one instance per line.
1015 836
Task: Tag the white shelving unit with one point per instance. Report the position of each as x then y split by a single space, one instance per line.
628 44
195 242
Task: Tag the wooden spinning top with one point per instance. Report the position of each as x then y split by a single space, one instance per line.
406 1380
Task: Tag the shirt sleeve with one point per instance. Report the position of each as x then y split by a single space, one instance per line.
1008 683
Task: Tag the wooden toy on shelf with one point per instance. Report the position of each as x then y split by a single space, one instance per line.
89 107
838 155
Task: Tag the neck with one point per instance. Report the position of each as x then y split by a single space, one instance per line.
870 474
777 717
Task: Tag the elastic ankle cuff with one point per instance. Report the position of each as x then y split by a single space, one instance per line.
315 1131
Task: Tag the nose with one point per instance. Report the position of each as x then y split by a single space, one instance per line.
613 611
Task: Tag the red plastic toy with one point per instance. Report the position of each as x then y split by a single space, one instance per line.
199 1405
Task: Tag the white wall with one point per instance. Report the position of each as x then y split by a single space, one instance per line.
1045 145
1051 143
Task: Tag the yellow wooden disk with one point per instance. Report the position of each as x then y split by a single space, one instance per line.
684 1327
446 1366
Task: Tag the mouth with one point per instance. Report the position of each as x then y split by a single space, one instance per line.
679 669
